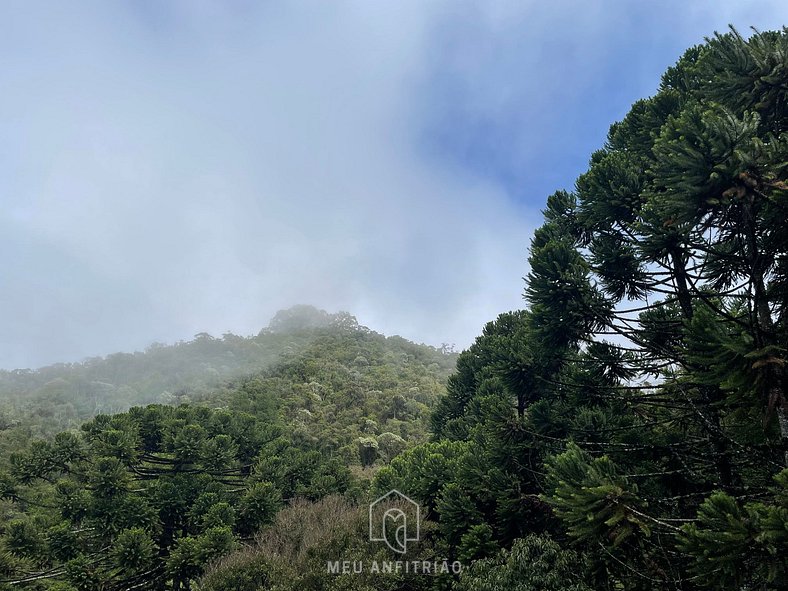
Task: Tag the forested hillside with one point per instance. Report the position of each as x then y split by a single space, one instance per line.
626 430
145 498
40 403
62 395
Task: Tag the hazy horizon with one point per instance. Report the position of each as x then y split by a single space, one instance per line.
218 336
185 167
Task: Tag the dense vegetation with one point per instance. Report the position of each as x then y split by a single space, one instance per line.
300 345
636 413
628 430
146 498
60 396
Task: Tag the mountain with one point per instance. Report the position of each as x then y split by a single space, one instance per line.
39 403
134 470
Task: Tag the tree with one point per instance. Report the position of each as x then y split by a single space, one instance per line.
258 506
725 527
535 563
644 387
673 246
390 445
367 450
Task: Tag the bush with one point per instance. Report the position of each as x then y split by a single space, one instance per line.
535 563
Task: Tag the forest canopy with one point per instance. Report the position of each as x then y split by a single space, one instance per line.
148 497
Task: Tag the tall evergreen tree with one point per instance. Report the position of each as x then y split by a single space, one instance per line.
642 395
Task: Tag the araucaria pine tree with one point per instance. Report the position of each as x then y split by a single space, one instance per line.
637 411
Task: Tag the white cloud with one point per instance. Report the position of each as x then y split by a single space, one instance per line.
224 166
178 167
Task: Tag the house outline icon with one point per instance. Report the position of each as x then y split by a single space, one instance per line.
394 514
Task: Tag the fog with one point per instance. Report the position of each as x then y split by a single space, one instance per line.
173 168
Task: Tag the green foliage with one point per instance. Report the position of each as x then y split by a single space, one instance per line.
592 499
242 571
390 445
305 360
477 542
165 508
24 538
258 506
367 450
535 563
734 545
133 550
83 574
422 472
147 498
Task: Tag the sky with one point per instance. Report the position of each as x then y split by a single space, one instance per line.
176 167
